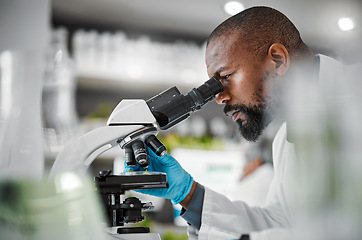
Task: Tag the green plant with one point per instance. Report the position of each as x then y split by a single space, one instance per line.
205 142
171 235
103 110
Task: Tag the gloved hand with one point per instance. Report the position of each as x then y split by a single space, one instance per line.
180 181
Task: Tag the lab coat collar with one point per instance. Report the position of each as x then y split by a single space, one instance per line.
329 76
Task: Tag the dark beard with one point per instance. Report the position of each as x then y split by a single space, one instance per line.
256 121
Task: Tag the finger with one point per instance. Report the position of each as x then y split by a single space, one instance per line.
154 159
151 153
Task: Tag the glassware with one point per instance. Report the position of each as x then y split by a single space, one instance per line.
65 207
60 120
21 151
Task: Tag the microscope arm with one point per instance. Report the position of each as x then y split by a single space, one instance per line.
78 155
127 118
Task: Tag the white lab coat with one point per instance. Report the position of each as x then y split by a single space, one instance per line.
254 188
224 219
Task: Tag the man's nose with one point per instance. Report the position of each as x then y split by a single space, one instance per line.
222 97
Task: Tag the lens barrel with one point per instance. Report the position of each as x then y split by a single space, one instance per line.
155 145
140 153
129 156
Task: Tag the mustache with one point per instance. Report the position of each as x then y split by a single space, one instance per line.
240 107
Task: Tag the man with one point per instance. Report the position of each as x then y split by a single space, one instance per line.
254 54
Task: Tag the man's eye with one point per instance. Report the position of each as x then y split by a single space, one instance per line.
226 77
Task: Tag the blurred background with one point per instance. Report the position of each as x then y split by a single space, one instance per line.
70 62
136 49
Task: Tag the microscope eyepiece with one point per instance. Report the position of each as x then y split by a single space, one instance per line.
171 107
205 93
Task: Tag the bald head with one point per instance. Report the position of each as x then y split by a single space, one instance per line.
259 28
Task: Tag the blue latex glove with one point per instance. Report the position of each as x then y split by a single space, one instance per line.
180 181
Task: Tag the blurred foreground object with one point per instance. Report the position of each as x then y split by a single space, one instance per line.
325 125
62 208
24 32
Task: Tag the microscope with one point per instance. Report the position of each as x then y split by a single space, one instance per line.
133 125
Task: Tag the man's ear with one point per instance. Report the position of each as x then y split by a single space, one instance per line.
280 57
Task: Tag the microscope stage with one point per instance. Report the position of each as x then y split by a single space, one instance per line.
131 181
